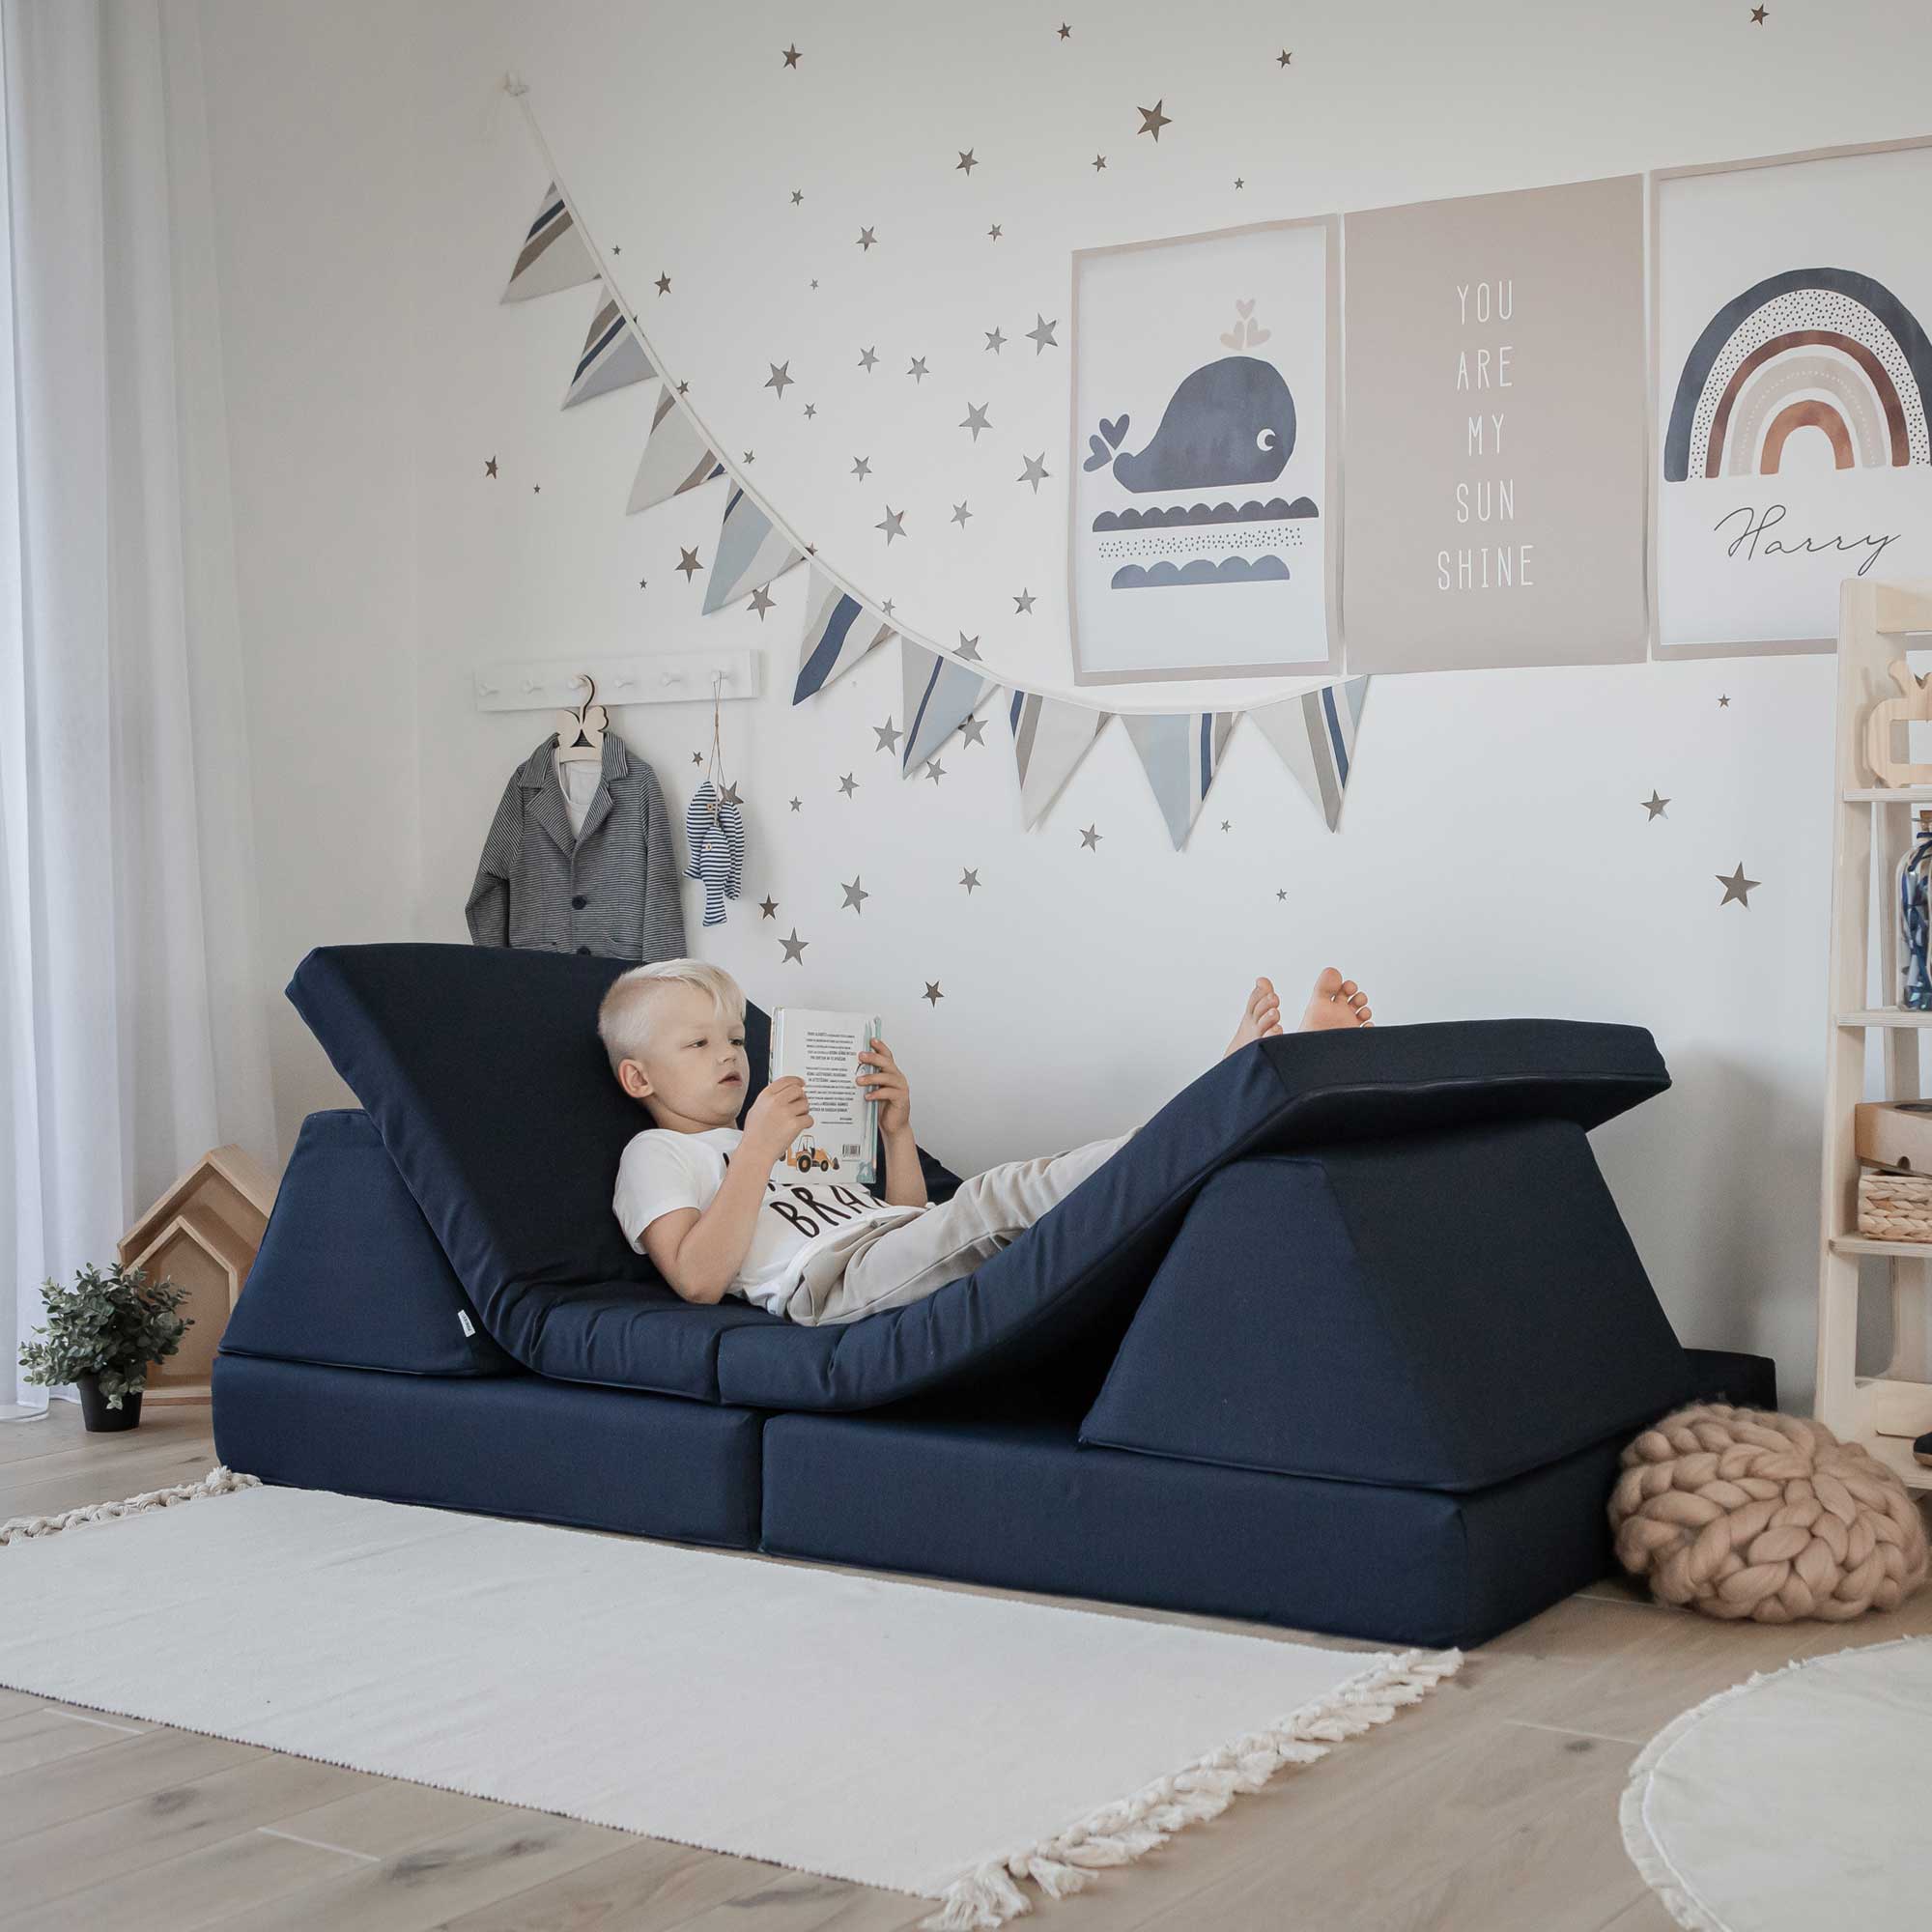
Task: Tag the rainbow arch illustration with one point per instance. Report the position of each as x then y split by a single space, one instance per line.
1825 348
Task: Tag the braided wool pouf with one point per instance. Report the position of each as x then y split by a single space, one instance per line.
1744 1513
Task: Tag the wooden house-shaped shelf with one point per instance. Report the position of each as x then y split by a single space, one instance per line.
202 1233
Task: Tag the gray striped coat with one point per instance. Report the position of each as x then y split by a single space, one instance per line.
612 889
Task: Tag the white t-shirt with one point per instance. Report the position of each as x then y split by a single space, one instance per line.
663 1170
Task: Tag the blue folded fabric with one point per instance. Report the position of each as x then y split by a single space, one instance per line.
481 1070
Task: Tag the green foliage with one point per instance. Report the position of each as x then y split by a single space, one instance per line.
110 1324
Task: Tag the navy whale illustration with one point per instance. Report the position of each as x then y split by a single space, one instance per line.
1229 422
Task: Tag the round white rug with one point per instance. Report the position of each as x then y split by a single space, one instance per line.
1795 1800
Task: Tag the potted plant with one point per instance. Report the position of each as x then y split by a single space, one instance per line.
101 1334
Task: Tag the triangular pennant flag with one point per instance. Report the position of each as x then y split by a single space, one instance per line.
676 458
612 357
940 696
552 256
839 630
1315 734
752 550
1050 737
1180 752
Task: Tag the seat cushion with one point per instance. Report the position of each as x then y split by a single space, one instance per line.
481 1069
511 1445
348 1272
1016 1502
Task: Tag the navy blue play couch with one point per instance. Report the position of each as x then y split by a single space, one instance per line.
1346 1338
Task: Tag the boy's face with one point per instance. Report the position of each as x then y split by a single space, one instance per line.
695 1074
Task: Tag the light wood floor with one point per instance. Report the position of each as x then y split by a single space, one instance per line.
1491 1807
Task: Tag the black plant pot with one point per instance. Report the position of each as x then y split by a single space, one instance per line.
94 1413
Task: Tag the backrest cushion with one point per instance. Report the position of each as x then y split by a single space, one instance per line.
481 1069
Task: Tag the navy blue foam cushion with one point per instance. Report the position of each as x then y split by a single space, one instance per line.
1442 1310
481 1069
511 1445
1015 1502
348 1271
1086 1263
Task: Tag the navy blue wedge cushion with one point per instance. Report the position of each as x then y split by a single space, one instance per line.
1439 1311
482 1071
348 1272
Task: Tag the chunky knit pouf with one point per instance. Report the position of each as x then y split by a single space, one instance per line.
1743 1513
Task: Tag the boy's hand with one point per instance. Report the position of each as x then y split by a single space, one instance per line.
777 1117
888 1087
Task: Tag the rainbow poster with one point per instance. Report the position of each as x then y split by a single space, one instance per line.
1793 372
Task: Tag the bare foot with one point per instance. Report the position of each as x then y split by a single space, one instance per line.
1261 1015
1337 1003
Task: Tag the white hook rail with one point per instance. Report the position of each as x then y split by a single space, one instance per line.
655 677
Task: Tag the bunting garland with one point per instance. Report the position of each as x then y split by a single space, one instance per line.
1313 733
752 550
839 630
1050 737
940 695
676 458
1180 753
553 257
612 357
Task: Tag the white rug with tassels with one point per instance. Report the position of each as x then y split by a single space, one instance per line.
930 1741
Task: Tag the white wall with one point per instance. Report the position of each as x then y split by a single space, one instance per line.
1494 861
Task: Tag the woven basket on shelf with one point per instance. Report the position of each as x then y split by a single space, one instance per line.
1894 1206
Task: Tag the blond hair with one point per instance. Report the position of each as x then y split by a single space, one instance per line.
624 1022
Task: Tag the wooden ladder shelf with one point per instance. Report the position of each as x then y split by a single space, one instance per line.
1873 823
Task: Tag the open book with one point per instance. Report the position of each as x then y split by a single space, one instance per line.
823 1048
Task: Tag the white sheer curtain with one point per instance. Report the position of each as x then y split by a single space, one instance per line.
132 1035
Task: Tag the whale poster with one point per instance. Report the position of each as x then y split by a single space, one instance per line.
1790 315
1204 501
1495 409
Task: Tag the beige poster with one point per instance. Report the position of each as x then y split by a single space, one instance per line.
1495 408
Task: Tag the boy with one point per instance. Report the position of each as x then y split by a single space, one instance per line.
699 1197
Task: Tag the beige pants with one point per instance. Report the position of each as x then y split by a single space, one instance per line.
886 1264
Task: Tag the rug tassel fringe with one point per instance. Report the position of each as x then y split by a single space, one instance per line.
219 1481
1129 1828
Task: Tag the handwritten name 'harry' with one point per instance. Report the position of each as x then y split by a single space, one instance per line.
1751 538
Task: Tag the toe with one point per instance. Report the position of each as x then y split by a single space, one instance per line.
1328 984
1362 1014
